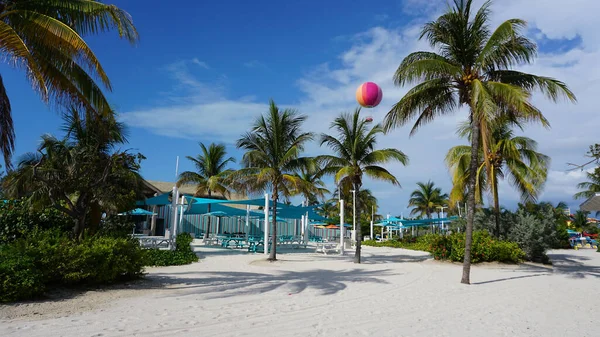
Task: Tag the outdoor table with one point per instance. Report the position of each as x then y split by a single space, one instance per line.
239 242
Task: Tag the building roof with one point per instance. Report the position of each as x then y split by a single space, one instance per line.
161 187
592 204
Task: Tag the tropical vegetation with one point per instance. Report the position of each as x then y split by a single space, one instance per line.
471 66
273 147
427 199
45 38
211 174
510 157
83 174
355 156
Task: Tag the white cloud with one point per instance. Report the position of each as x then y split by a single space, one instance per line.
374 56
199 63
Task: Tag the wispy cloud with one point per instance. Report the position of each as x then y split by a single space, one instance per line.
255 64
374 55
199 63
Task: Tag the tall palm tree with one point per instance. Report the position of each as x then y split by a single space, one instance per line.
273 148
590 187
313 188
426 199
471 66
509 156
210 175
45 38
355 156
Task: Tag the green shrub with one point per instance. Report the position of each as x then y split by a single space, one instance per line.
49 258
182 254
17 219
19 276
508 252
452 247
440 247
116 226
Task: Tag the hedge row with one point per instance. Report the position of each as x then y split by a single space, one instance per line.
452 247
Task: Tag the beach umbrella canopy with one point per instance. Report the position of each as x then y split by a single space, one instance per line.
138 211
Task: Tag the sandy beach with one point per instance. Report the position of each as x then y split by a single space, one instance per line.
394 293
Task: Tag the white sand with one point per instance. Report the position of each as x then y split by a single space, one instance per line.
394 293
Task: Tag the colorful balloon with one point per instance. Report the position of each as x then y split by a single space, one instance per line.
369 95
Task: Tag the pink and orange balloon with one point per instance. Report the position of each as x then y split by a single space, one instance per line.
369 95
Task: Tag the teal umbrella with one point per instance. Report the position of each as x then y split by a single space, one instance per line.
138 211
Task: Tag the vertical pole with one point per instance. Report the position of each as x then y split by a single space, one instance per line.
172 233
341 227
372 217
266 224
181 212
247 227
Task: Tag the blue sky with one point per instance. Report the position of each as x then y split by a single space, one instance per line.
203 71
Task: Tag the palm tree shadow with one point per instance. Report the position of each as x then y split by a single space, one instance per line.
376 259
230 284
574 266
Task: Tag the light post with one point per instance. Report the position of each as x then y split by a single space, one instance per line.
354 213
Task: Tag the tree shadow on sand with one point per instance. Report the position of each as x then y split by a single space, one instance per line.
572 266
231 284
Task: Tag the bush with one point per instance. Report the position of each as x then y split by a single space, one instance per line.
17 219
116 226
452 247
508 252
182 254
48 258
19 277
533 235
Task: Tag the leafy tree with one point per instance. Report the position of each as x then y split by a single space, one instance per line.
45 37
81 174
472 67
273 148
211 173
509 156
426 199
355 155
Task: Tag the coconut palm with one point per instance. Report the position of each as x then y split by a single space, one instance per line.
45 37
210 175
355 156
82 174
426 199
590 187
510 157
273 148
312 188
471 66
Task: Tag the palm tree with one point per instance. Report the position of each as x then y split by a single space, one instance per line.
81 174
426 199
590 187
355 156
45 38
272 157
313 188
211 173
472 67
509 156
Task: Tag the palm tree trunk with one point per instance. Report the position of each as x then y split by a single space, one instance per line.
466 276
496 204
358 234
273 253
207 220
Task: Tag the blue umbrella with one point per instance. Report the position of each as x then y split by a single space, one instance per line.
138 211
